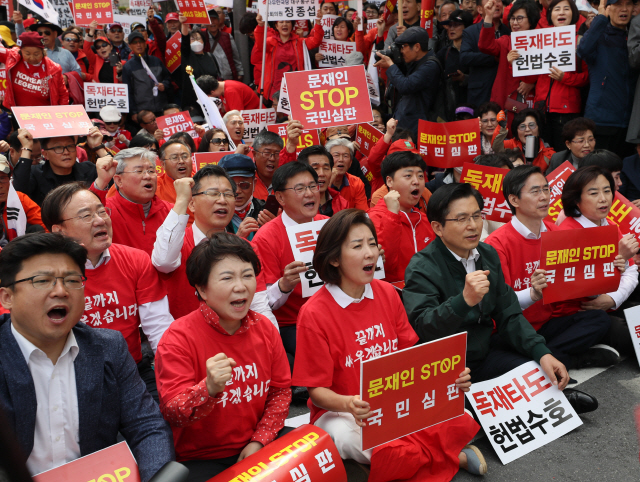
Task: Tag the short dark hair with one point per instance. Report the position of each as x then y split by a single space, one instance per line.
207 83
575 14
532 10
332 235
400 133
494 160
179 138
289 170
143 139
314 151
341 20
171 106
520 117
15 143
142 114
488 107
57 201
515 180
211 170
248 23
400 160
572 191
335 8
29 245
438 206
603 158
344 14
581 124
515 153
44 141
206 139
213 250
264 138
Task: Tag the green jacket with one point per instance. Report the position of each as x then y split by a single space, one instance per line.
436 308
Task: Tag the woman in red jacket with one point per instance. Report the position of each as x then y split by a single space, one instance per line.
285 51
32 78
564 102
98 52
523 16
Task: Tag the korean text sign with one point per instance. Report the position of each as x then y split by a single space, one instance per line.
290 9
544 48
306 454
449 144
180 122
579 265
308 138
632 316
488 181
173 54
334 52
412 389
204 158
255 120
53 120
194 10
327 26
367 136
329 97
556 182
113 463
96 96
522 411
139 7
86 11
626 215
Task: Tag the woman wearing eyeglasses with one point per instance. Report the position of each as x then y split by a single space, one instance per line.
214 140
98 51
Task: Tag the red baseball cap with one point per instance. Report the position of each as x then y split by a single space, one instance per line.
402 145
171 16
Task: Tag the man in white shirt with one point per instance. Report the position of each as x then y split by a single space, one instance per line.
67 389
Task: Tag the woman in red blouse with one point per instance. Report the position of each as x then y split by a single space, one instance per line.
223 376
330 351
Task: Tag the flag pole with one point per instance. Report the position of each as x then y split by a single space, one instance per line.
264 53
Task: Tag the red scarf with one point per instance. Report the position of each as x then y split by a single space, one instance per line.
213 319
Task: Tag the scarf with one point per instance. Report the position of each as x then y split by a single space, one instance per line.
213 319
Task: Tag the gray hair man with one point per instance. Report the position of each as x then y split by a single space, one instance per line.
349 186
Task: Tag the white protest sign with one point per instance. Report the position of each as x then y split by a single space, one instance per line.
255 120
290 9
127 20
44 8
334 52
283 100
327 26
521 411
139 7
543 48
633 322
303 238
65 16
97 96
372 79
371 24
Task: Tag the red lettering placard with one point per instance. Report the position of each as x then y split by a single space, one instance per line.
305 454
86 11
308 138
426 16
194 10
329 97
488 181
204 158
449 144
412 389
180 122
173 55
579 263
367 136
113 463
53 120
3 81
626 215
556 184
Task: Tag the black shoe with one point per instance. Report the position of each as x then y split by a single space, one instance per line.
299 394
598 356
572 381
580 401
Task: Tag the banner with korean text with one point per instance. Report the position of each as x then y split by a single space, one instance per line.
173 54
113 463
543 48
86 11
306 454
366 137
327 26
632 315
449 144
488 181
255 120
97 96
174 123
53 120
139 7
626 215
283 100
579 265
204 158
522 411
426 15
412 389
556 181
329 97
290 9
308 138
195 11
334 52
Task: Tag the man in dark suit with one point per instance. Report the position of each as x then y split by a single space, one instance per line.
68 389
482 68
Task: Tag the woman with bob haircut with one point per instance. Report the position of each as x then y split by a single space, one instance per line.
329 356
223 376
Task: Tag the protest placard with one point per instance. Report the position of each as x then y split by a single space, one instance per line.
180 122
139 7
303 238
173 54
543 48
3 81
411 389
522 411
449 144
255 120
127 20
632 315
290 9
65 15
330 97
426 15
371 24
113 463
579 266
96 96
306 454
204 158
626 215
195 11
308 138
334 52
327 26
283 100
366 137
44 8
53 120
556 181
86 11
488 181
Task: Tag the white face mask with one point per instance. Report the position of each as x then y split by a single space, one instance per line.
197 46
458 170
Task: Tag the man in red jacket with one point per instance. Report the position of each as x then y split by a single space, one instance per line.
136 211
233 94
322 162
402 229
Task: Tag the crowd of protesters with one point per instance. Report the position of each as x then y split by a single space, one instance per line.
116 231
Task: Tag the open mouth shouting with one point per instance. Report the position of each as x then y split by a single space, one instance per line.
58 314
101 235
239 305
369 268
221 212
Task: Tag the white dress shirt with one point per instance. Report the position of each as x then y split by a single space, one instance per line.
524 296
276 297
167 255
344 299
155 317
469 263
56 439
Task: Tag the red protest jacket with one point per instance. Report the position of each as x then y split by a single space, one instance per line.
96 62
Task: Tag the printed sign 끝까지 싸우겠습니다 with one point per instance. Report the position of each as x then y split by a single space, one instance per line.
488 181
97 96
449 144
543 48
53 120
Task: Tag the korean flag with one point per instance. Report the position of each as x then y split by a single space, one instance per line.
44 8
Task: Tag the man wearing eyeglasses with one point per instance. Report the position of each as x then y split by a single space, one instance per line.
177 164
266 148
68 390
147 120
115 34
137 212
60 56
350 187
